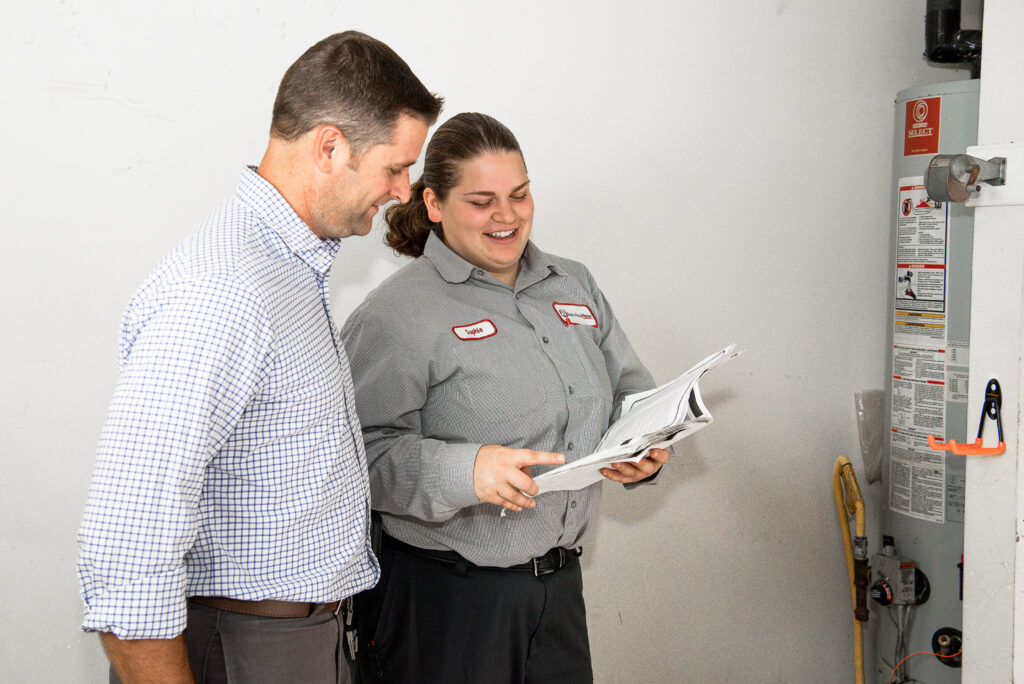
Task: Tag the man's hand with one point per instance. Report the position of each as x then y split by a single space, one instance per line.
148 661
641 470
502 475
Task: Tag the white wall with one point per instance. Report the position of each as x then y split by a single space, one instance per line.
722 167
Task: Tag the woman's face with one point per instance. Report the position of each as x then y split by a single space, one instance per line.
486 218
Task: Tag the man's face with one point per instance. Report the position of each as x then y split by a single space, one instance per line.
350 197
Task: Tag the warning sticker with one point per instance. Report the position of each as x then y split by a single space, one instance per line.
917 474
959 354
917 478
956 385
920 249
921 287
957 371
918 389
920 277
921 132
920 225
911 328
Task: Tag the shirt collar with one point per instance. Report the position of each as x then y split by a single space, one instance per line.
450 265
536 264
275 212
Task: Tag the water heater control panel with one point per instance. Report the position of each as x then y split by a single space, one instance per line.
894 579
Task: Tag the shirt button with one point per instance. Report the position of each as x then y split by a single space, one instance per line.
572 505
571 390
478 271
544 340
569 446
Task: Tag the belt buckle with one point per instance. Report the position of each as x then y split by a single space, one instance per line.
538 571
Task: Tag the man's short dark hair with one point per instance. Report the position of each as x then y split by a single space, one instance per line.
354 82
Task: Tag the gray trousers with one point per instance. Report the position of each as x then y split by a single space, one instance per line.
232 648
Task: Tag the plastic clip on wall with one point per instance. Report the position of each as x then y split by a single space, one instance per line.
991 408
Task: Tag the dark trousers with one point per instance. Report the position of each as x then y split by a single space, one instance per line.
232 648
429 621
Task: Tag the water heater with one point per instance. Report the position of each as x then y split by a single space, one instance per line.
917 577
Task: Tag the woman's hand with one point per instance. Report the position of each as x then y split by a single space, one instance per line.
641 470
502 476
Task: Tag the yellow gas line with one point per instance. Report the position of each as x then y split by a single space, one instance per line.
850 502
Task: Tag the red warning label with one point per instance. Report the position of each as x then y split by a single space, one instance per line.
921 135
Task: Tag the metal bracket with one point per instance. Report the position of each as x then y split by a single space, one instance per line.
1011 194
953 177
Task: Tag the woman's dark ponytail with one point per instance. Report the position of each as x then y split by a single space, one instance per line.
409 225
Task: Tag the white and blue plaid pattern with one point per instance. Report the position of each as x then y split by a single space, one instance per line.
231 462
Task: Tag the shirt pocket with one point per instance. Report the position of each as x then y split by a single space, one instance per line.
586 344
503 378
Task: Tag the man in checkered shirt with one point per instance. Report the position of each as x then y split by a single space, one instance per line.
230 491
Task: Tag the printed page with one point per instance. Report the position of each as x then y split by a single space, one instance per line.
653 419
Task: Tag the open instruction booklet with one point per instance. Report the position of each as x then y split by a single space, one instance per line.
648 420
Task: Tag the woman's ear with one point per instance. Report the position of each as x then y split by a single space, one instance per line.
433 205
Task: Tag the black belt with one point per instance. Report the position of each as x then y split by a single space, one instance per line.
269 607
552 561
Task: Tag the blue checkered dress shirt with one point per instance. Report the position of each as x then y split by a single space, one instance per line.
231 462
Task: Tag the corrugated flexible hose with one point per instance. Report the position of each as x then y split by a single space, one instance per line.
850 502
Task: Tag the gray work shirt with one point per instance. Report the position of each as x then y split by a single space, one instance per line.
446 358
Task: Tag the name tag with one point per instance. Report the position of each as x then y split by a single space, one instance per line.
575 314
475 331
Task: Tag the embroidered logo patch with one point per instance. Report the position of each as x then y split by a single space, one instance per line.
475 331
575 314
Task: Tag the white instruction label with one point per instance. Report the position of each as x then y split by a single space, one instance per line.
957 362
918 396
917 474
917 478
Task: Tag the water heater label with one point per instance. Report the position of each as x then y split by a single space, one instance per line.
920 262
917 478
921 130
916 472
920 361
958 356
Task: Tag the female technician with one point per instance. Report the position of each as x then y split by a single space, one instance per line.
479 364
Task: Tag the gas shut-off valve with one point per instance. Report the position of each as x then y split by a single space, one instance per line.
899 581
953 177
899 586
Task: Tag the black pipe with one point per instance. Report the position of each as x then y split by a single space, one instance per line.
945 42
